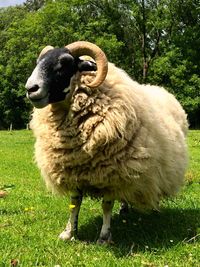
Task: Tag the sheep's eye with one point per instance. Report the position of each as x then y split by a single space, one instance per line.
58 67
60 72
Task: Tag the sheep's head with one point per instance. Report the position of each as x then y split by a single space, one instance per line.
50 80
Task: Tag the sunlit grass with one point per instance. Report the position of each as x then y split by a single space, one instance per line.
31 219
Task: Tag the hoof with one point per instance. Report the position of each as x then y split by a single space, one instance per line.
124 209
65 235
105 240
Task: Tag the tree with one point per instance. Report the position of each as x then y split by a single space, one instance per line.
34 5
177 64
155 41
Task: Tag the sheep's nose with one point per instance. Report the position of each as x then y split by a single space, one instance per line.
32 89
34 92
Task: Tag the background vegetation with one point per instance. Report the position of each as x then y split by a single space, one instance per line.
155 41
31 220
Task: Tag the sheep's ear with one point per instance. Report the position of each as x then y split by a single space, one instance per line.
46 49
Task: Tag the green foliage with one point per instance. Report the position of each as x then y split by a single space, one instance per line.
33 5
31 219
154 41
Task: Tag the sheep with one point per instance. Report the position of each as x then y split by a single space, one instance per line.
101 134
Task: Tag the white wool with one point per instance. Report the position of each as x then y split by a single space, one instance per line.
122 139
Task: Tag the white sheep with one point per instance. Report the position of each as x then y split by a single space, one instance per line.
100 133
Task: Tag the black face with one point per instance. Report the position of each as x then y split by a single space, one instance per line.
59 66
51 77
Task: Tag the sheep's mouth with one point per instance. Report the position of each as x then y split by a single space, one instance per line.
39 102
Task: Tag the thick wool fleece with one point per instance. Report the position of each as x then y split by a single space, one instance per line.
122 139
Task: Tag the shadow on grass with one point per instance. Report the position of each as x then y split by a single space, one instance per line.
136 232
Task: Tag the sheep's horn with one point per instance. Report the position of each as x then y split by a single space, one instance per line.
81 48
45 49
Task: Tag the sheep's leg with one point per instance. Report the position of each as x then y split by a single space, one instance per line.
123 208
71 229
105 234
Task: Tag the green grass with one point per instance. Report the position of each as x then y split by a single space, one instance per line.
31 219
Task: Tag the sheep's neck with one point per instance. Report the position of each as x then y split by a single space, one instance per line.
62 105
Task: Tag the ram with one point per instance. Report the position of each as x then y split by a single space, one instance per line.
99 133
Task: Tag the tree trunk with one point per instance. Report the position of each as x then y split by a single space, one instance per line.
145 63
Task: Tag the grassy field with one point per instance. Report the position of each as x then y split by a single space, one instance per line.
31 219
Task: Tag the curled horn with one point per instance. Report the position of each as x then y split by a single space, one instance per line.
81 48
45 50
